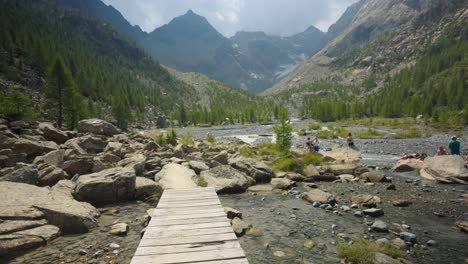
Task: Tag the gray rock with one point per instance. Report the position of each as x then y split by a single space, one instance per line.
97 126
119 229
198 166
431 243
226 179
145 187
33 148
137 162
239 226
53 134
379 226
374 212
408 237
320 196
23 173
282 183
384 259
382 241
231 213
107 186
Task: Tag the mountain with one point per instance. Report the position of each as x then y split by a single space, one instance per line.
373 37
114 78
189 43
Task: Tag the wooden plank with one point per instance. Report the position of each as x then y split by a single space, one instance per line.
187 209
189 198
187 216
190 191
189 226
165 205
188 202
188 257
188 221
146 242
157 250
193 210
161 234
226 261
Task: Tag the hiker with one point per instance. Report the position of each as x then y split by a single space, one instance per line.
316 145
441 151
454 146
423 156
309 145
350 140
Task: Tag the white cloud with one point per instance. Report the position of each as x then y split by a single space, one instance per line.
282 17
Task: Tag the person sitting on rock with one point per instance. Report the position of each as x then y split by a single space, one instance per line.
309 145
441 151
454 146
316 145
350 140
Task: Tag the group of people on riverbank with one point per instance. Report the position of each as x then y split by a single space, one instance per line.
312 145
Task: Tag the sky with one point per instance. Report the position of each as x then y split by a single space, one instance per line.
277 17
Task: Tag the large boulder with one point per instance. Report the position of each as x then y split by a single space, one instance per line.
107 186
258 170
176 176
50 175
282 183
343 155
404 165
54 158
339 169
198 166
448 168
319 196
79 166
98 126
145 187
373 176
226 179
27 239
88 143
23 201
137 162
33 148
53 134
23 173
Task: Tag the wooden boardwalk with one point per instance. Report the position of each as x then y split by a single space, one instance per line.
189 226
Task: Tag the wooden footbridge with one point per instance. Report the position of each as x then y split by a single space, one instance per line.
189 226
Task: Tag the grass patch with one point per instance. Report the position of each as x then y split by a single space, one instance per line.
160 139
312 158
210 138
333 132
187 140
314 126
247 152
288 164
267 148
412 133
370 133
201 182
154 198
362 251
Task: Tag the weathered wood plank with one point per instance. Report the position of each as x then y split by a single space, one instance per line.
189 226
166 205
188 202
188 221
146 242
188 216
226 261
190 256
157 250
189 197
187 209
183 211
161 234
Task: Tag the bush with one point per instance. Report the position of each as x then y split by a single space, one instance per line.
201 182
370 133
154 198
362 251
314 126
267 148
172 138
288 164
161 139
188 140
312 158
210 138
14 105
247 152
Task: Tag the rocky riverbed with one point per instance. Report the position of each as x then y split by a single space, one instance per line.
87 185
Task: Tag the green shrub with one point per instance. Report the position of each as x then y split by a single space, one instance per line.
288 164
314 126
187 140
154 198
283 133
201 182
267 148
369 133
247 152
210 138
14 105
333 132
172 138
362 251
161 139
312 158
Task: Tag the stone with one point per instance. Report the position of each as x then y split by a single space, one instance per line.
119 229
447 168
345 208
373 176
57 207
239 226
98 127
358 214
145 187
391 187
282 183
221 157
398 243
408 237
107 186
153 163
374 212
65 187
462 225
33 148
255 232
27 239
198 166
345 155
309 244
381 258
10 226
431 243
23 173
174 175
231 213
346 177
311 171
79 166
402 203
379 226
55 158
51 176
82 252
382 241
226 179
51 133
151 146
397 228
260 188
404 165
320 196
258 170
366 200
137 162
339 169
90 144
